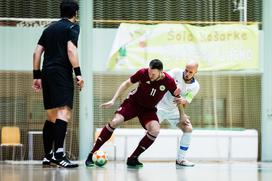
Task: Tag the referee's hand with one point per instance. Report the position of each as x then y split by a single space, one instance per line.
37 85
80 82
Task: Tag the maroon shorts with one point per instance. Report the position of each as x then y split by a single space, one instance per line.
130 109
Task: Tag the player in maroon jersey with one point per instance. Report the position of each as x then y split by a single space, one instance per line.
141 102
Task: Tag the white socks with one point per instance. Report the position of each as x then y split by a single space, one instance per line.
184 145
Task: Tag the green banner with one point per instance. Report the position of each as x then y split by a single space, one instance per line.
218 47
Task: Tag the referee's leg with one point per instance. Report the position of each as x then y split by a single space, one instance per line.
49 136
63 115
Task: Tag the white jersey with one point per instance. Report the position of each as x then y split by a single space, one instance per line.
167 108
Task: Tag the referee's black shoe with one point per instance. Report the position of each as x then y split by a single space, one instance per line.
63 161
89 162
46 162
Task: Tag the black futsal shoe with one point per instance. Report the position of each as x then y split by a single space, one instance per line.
46 162
134 162
63 161
89 162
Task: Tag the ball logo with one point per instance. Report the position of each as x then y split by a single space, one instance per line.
162 88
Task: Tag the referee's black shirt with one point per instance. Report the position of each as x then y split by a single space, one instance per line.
54 40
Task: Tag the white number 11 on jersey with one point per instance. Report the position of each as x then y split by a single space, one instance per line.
153 91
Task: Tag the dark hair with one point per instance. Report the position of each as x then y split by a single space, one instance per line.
156 64
68 8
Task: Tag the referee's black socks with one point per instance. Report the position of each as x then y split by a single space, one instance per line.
48 136
60 133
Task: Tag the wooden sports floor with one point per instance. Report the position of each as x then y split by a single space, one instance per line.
152 171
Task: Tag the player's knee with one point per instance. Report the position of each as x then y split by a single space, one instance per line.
116 121
187 129
114 124
154 132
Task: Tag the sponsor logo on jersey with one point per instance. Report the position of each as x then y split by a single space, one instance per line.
162 87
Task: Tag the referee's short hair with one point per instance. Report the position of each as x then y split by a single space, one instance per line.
156 64
68 8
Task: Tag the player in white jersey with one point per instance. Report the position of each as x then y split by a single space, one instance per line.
168 109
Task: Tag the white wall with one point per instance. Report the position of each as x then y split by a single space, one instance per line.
213 145
17 46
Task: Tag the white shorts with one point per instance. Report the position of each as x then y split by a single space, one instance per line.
170 116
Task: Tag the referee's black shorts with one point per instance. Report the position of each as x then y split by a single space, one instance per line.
58 88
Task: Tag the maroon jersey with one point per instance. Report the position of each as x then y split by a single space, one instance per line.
149 93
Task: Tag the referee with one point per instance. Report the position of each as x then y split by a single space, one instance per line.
58 43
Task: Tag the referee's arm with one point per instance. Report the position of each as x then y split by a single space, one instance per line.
73 57
37 84
37 57
72 54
